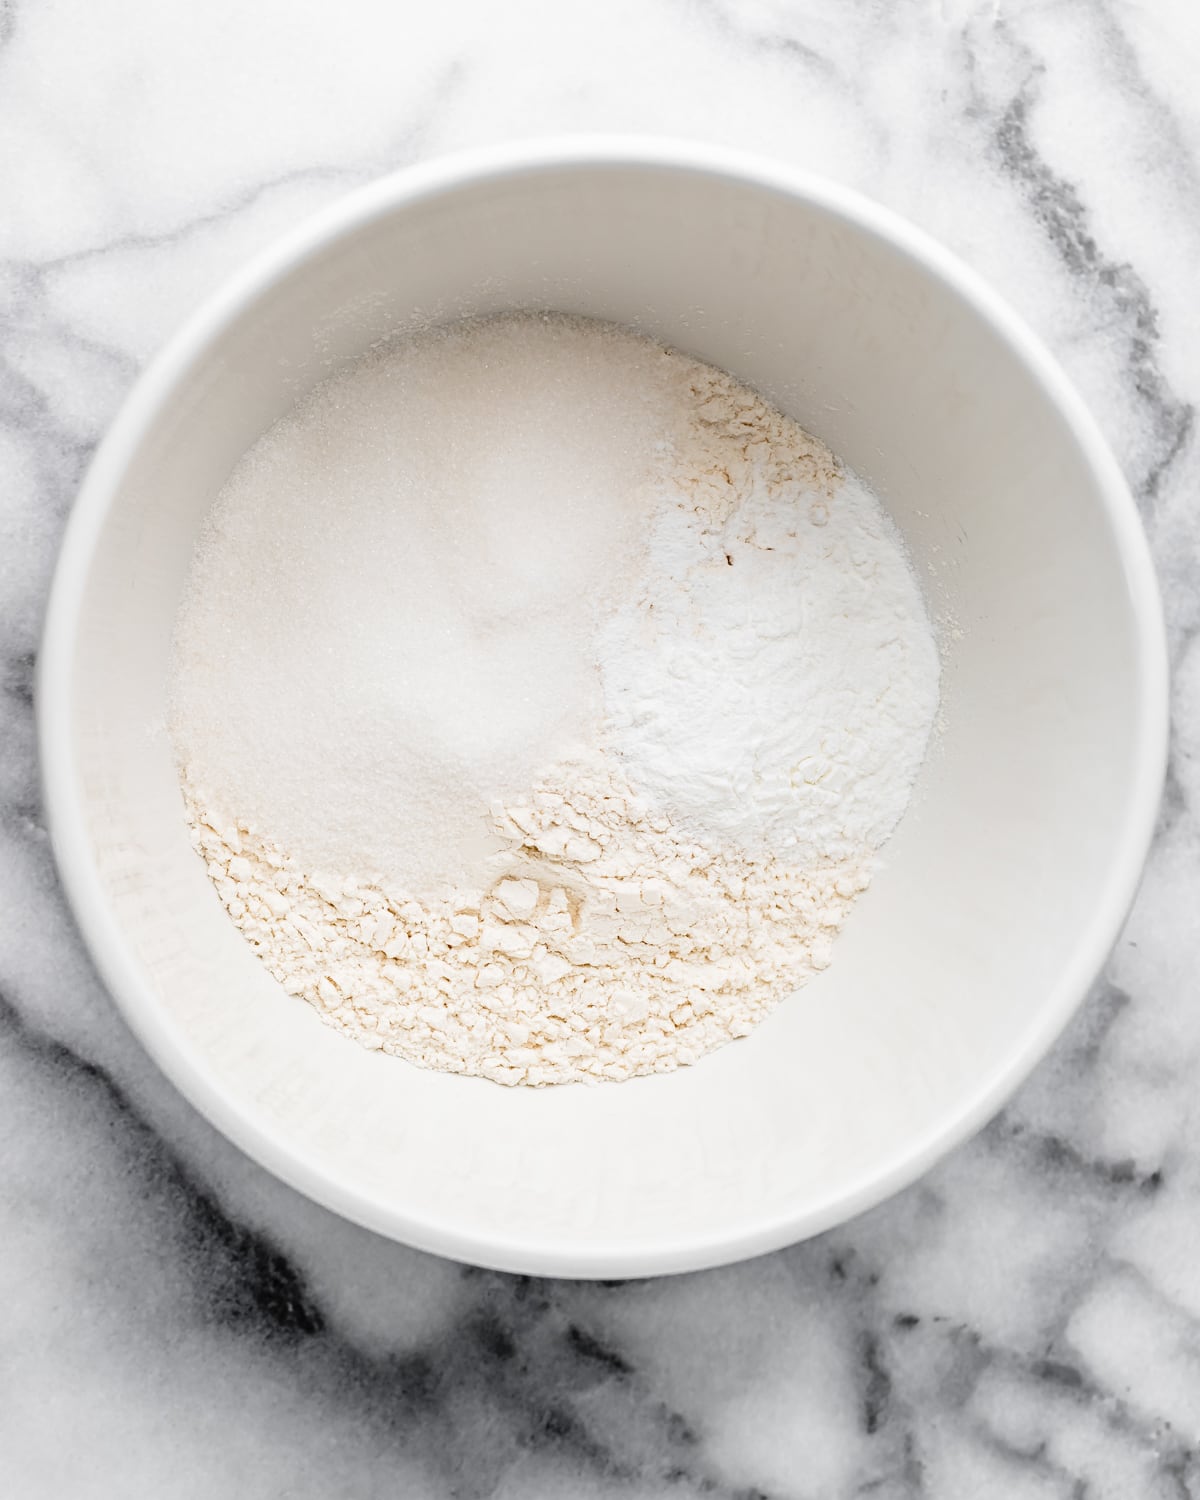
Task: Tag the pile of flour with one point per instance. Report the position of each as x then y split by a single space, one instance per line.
542 698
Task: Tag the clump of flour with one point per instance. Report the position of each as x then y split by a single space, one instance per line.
611 946
543 698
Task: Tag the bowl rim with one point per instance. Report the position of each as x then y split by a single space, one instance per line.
62 794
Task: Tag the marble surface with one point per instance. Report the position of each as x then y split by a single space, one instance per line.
1023 1323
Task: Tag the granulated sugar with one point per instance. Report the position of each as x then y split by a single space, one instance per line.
391 614
542 698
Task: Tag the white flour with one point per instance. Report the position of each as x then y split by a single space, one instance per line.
543 697
610 948
773 683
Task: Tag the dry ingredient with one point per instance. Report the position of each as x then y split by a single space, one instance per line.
542 698
773 680
611 947
392 610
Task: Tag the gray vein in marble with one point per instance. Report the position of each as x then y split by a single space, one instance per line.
518 1355
730 23
247 1280
1134 77
1026 1320
1064 217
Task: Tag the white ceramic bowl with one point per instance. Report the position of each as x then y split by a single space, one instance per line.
1005 885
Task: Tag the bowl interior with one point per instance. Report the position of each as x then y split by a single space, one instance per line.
997 899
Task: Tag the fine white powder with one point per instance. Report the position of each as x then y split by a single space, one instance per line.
542 698
774 681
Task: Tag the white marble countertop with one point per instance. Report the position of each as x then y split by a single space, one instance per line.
173 1322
